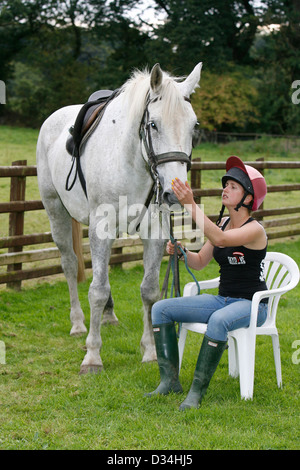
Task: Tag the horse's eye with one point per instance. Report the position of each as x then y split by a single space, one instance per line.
152 125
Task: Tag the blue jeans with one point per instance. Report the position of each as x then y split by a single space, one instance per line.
222 314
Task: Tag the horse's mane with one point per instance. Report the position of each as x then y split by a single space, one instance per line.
136 91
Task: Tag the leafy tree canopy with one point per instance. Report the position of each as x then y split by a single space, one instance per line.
58 52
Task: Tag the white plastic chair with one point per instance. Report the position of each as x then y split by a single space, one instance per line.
282 275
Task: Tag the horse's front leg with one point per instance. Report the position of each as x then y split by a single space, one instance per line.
153 253
99 294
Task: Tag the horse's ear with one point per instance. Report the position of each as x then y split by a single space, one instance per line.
156 77
192 81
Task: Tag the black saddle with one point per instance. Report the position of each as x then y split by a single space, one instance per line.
87 119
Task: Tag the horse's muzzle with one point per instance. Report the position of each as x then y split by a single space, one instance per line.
169 197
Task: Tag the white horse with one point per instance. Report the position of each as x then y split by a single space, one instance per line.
144 137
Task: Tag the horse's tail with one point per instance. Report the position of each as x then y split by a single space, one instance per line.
77 246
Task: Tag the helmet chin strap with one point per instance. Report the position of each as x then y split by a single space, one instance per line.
240 204
220 215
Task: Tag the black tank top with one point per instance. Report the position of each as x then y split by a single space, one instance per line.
241 269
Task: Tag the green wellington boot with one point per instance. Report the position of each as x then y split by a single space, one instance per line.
168 359
209 357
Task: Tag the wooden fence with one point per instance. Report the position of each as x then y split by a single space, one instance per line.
124 250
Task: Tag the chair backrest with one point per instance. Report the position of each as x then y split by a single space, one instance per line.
281 271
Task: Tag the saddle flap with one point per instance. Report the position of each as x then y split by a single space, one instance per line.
86 121
85 118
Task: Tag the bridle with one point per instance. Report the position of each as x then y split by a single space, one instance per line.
153 162
153 159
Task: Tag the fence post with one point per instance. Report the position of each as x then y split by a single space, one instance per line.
196 180
16 219
196 184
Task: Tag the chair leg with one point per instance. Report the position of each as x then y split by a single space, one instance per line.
277 359
246 361
181 344
233 366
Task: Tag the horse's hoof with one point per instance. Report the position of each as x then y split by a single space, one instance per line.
78 330
90 369
109 318
149 356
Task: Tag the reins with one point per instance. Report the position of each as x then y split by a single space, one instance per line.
153 161
174 266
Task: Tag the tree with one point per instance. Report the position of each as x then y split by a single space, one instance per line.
277 57
56 53
128 49
225 101
216 32
51 55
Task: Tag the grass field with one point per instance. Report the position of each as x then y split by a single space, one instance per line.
46 404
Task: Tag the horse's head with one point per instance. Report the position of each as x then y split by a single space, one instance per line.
168 127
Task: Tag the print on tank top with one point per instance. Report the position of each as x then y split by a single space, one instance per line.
237 258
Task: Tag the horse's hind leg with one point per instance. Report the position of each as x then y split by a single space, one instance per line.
61 229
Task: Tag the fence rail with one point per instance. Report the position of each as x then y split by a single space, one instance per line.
124 250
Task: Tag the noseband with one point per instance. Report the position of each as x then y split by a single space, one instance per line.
153 159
